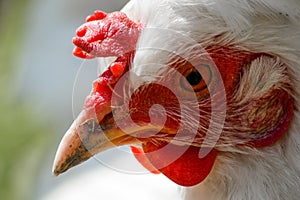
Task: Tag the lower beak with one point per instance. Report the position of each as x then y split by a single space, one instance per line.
85 138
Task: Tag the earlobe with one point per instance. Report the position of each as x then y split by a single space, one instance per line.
265 103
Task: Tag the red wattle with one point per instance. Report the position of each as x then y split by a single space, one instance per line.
142 158
187 170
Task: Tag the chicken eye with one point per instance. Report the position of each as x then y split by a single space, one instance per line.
194 78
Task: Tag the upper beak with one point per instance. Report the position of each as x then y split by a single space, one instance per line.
85 138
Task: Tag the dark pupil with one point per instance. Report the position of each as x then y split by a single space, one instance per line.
194 78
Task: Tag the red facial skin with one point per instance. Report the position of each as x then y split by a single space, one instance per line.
101 37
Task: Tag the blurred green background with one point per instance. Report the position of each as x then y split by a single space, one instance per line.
37 72
25 135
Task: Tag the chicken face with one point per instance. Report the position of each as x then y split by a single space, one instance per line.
200 106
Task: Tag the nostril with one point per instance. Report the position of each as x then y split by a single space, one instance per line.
81 31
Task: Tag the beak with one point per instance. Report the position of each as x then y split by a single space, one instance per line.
85 138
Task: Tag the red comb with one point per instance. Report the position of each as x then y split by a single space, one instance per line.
105 35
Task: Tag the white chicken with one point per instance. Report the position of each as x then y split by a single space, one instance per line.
223 78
